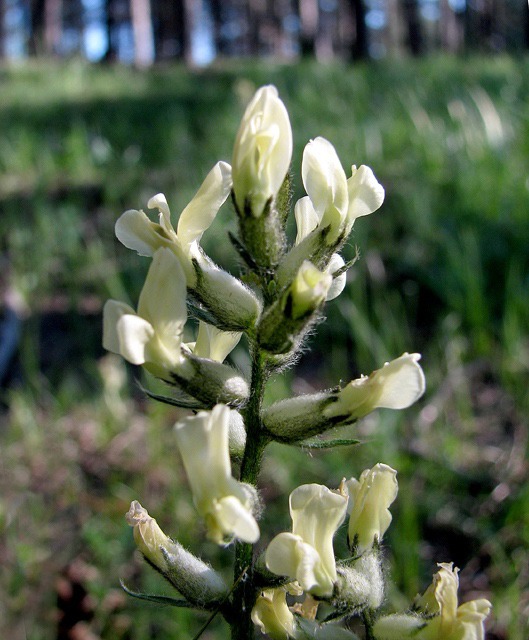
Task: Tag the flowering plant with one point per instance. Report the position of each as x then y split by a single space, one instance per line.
277 590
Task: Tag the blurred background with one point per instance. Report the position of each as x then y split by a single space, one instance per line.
105 103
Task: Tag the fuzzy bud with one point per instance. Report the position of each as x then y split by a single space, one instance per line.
192 577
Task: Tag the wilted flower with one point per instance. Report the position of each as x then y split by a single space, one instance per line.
369 501
262 152
307 554
195 580
225 504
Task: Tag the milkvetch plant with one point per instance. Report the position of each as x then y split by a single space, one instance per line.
278 585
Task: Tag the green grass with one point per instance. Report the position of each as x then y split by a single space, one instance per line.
443 270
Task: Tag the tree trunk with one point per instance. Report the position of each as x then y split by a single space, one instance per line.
140 11
309 23
3 51
52 25
360 46
451 29
36 27
413 26
111 54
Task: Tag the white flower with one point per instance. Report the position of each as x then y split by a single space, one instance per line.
273 616
306 554
369 501
224 503
212 343
148 536
396 386
333 200
262 151
136 231
451 622
152 336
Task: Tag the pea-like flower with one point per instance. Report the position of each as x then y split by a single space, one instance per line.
225 504
369 500
307 554
333 200
397 385
136 231
439 616
233 305
262 152
273 616
152 337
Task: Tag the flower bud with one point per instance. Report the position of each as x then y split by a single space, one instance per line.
192 577
286 321
232 305
262 152
369 501
225 504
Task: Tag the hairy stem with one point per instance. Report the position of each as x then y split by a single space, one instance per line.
244 593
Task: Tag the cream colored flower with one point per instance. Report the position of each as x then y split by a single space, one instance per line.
307 554
136 231
152 336
397 385
212 343
262 151
224 503
451 622
273 616
369 502
333 200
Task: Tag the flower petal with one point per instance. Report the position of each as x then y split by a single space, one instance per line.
134 334
402 382
323 176
201 211
112 312
137 232
306 218
213 343
163 300
366 194
338 283
235 519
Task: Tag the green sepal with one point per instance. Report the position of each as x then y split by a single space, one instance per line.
326 444
182 401
151 597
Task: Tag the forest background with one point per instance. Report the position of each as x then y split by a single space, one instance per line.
105 103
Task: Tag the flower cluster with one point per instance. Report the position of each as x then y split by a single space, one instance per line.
281 298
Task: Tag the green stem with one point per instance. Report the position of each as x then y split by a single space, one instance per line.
368 620
244 594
